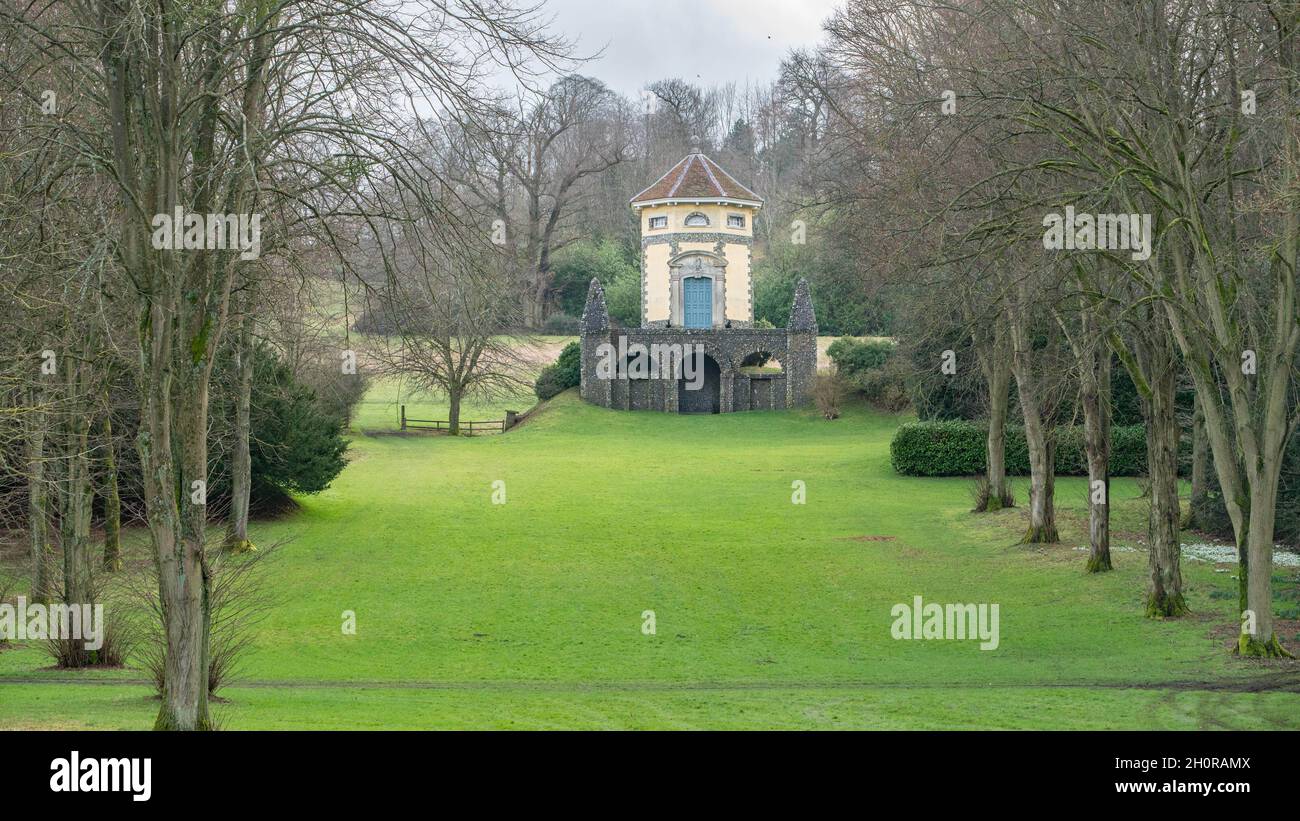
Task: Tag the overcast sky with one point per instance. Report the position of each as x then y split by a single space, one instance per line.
703 41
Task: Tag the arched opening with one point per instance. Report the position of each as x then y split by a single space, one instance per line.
761 362
701 392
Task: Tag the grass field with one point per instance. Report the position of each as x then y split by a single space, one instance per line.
381 408
528 614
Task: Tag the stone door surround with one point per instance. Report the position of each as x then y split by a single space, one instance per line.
697 264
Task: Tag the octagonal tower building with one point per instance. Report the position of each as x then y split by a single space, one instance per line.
697 232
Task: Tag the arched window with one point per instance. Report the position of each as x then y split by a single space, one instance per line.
696 220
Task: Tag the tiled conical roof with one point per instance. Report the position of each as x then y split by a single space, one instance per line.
696 177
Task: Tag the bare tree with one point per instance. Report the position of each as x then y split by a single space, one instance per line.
1083 330
1190 115
451 317
225 110
525 167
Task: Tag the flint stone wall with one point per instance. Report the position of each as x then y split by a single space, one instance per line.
725 389
736 391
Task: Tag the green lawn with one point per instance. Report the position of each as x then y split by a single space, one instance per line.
769 614
381 408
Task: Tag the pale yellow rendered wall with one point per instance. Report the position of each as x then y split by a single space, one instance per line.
656 286
677 214
687 247
656 256
738 283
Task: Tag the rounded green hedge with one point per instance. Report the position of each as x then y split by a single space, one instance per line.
957 448
853 356
564 373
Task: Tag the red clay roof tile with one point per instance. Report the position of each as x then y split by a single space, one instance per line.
696 177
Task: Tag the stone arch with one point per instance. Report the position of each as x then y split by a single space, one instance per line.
710 346
705 394
769 357
682 257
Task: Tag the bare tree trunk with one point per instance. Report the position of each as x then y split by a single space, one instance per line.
1243 557
1165 591
74 524
998 374
38 500
1258 639
1097 444
1042 486
176 523
993 351
112 499
241 479
453 414
76 495
74 502
1095 390
1257 636
1244 485
1040 439
1200 467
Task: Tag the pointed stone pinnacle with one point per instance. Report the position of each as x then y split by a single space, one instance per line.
802 316
595 316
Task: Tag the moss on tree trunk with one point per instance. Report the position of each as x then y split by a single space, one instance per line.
241 469
1096 423
112 500
1165 587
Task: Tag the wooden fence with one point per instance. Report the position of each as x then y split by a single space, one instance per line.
466 427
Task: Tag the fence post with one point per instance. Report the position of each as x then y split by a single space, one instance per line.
512 418
403 417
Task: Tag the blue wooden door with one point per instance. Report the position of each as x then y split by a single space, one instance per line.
697 302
